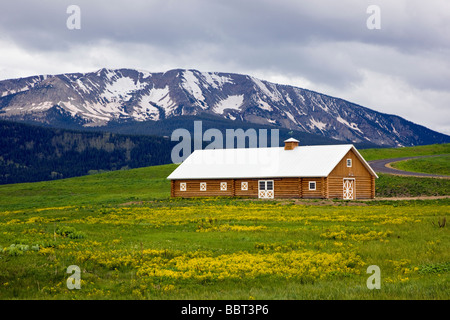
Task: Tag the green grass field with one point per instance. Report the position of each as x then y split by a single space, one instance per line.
436 165
107 188
402 186
131 241
387 153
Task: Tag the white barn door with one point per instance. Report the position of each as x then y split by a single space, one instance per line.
265 189
349 189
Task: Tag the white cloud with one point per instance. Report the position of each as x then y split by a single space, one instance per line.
392 95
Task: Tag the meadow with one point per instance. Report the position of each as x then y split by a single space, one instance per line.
388 153
132 241
436 165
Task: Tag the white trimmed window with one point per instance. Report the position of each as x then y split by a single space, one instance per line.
244 186
265 189
223 186
183 186
312 185
349 163
202 186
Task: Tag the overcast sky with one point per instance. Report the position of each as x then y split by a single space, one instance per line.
402 68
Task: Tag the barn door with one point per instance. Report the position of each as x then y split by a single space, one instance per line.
265 189
349 189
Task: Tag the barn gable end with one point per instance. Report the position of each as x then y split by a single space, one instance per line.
364 180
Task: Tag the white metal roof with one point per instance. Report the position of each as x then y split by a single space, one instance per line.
303 161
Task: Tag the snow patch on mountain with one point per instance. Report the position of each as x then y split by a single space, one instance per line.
81 85
159 97
122 88
41 106
299 94
231 102
352 125
291 117
288 99
97 117
192 85
264 105
146 112
110 74
215 80
272 95
317 124
145 74
7 93
71 108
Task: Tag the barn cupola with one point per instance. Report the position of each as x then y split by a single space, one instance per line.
290 144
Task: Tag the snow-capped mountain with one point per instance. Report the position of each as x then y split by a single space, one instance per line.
97 98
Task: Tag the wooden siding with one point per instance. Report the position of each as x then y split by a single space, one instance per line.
372 195
283 188
172 188
286 188
252 189
193 188
363 188
357 169
311 194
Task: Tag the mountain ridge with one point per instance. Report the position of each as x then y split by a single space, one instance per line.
94 99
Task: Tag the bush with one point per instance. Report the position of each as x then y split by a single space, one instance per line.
17 249
70 232
435 268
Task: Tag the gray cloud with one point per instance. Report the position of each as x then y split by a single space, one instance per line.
322 44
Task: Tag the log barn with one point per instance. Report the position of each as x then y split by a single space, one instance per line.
292 171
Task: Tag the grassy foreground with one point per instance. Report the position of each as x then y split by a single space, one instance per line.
131 241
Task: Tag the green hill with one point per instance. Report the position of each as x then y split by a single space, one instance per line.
434 165
106 188
388 153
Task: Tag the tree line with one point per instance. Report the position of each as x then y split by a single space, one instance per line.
30 153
